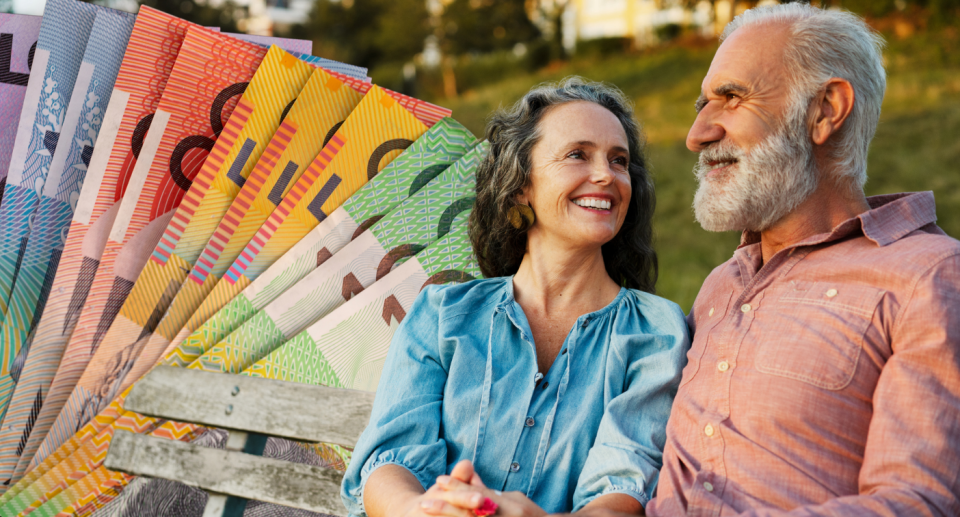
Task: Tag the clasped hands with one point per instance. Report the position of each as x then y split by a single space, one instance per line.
462 492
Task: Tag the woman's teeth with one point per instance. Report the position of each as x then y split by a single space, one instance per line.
589 202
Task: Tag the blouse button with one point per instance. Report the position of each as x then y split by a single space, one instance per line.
514 467
711 312
831 293
745 307
708 486
529 421
723 366
708 430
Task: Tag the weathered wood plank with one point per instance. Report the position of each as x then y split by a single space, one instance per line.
228 472
276 408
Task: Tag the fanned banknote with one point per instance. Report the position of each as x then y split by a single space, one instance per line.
347 348
41 474
152 64
193 303
368 140
276 84
210 75
336 351
151 52
421 219
429 156
56 61
356 152
18 42
324 102
61 192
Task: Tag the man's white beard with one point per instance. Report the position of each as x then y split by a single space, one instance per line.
763 186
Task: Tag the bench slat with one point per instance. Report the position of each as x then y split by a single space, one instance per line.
228 472
285 409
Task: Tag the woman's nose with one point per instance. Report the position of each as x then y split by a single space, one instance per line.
603 172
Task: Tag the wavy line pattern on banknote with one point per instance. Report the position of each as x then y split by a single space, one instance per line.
60 47
152 49
183 120
42 254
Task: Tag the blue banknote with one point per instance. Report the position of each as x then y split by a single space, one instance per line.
56 61
38 265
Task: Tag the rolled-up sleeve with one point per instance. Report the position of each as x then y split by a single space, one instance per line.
628 451
404 426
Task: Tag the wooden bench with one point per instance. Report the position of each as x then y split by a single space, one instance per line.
250 409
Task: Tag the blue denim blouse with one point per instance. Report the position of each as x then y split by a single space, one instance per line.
461 382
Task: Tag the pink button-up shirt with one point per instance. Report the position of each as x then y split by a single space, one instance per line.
826 382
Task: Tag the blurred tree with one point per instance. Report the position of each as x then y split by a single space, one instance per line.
479 26
550 12
367 32
224 16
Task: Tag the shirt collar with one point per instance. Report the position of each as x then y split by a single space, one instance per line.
890 218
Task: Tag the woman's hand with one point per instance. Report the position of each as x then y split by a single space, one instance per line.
464 480
439 501
392 491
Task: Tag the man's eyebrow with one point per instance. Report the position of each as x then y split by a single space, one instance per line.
721 91
728 88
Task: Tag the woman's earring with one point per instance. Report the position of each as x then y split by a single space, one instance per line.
521 216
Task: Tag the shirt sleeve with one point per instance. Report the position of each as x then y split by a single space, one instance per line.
404 426
913 446
627 454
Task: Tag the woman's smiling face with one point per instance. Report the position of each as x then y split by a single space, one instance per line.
579 184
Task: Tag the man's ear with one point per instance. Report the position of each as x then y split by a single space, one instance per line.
833 107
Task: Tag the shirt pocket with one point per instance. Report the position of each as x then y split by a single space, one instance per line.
814 332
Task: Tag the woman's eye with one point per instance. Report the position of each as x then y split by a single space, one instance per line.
576 154
621 161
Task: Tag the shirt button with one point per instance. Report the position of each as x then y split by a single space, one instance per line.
708 430
710 313
514 467
545 384
745 307
708 486
529 421
723 366
831 293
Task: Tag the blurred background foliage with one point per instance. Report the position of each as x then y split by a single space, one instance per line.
476 55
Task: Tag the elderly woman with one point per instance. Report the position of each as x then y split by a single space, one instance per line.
554 376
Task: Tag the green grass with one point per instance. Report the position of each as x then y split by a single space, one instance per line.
917 146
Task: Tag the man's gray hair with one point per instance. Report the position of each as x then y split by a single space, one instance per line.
828 44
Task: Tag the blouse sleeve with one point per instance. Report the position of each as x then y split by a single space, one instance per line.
628 452
404 426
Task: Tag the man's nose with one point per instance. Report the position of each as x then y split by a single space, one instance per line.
704 132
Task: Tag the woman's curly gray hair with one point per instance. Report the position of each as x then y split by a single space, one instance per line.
512 133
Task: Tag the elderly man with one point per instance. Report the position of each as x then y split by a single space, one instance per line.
824 376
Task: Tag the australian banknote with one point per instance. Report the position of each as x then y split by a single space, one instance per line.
18 42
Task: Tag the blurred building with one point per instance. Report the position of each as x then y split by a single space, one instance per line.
264 17
647 21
